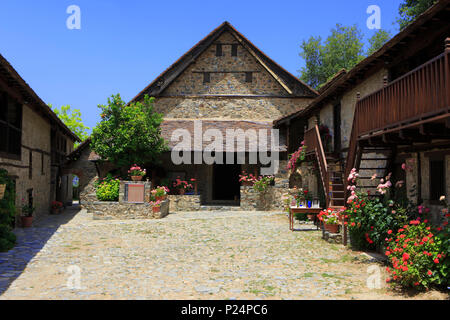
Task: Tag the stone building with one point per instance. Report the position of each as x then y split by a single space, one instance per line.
223 83
33 144
390 109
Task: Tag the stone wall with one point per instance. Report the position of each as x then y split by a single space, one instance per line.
264 98
35 140
184 203
124 211
191 81
348 103
228 108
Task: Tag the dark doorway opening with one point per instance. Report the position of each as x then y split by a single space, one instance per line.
337 127
226 186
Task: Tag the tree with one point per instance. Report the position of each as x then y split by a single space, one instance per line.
377 41
128 134
72 119
342 49
313 55
409 10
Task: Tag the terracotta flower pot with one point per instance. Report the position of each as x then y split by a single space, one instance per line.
311 217
247 183
156 209
55 210
136 178
332 228
182 191
27 222
161 198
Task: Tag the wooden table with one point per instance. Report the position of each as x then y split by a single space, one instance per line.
302 210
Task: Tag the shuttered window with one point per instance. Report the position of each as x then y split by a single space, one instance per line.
234 50
219 50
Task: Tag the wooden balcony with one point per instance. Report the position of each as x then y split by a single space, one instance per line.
414 108
419 96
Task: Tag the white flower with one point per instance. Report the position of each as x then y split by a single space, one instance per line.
442 198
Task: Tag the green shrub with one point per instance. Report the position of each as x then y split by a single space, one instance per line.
108 189
7 238
7 213
369 221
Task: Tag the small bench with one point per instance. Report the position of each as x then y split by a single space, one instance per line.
303 210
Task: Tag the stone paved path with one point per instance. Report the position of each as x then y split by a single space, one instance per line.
204 255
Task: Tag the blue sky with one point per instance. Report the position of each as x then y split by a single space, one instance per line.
123 45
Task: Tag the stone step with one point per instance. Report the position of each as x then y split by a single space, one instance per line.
220 208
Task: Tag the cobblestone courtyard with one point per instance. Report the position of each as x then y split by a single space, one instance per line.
203 255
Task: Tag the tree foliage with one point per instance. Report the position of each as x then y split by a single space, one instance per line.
342 49
410 9
377 41
72 119
128 134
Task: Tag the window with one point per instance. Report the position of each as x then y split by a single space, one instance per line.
218 50
30 166
10 126
437 179
234 49
206 77
30 198
248 76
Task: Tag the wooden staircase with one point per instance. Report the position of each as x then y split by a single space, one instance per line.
330 169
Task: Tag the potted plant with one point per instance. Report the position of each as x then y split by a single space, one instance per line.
181 186
300 196
160 193
136 173
27 215
247 180
262 183
156 206
330 220
56 207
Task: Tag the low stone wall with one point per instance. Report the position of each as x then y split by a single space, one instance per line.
271 200
184 203
121 211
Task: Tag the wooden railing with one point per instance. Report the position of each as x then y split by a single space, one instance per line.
422 93
313 143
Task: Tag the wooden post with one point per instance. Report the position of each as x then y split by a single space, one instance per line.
153 179
195 182
447 69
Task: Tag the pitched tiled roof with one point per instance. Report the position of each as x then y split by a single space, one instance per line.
296 87
13 79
